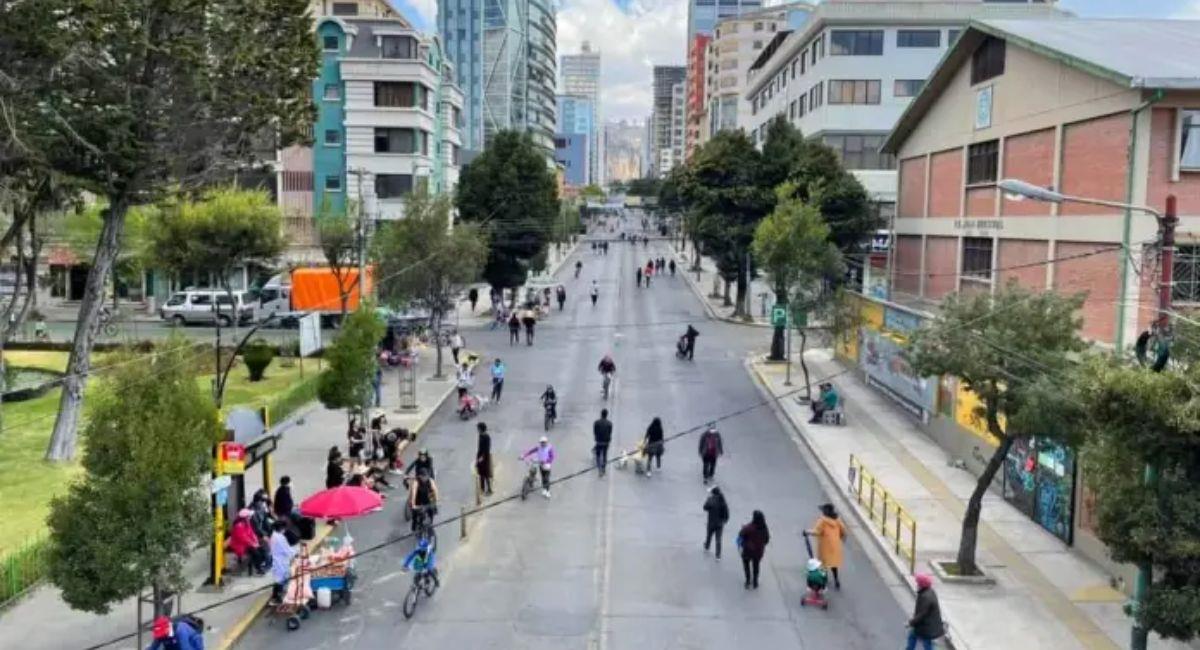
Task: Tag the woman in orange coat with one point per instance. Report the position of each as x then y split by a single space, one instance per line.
830 532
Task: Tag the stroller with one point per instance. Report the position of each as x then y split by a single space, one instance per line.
817 579
681 348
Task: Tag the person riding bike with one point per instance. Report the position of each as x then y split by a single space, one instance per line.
423 497
422 463
543 455
422 559
550 401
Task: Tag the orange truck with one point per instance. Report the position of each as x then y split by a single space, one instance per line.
308 290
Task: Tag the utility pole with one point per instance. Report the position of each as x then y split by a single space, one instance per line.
1162 328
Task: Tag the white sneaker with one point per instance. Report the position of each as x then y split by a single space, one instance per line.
546 493
649 472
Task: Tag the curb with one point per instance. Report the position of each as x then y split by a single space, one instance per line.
258 606
708 307
834 477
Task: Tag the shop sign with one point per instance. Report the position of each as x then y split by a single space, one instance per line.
900 321
231 458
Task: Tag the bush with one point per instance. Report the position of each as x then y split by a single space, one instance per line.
257 356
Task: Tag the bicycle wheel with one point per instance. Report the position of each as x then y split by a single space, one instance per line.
526 486
429 585
410 600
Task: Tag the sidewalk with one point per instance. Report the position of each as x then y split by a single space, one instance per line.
43 620
1045 596
709 289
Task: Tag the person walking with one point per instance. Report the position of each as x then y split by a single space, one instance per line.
717 510
498 371
671 267
456 344
529 320
753 540
690 338
602 437
926 622
649 272
830 533
465 380
283 504
710 449
595 292
638 275
473 298
514 329
483 459
654 444
561 295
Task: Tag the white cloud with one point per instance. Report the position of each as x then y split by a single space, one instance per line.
630 45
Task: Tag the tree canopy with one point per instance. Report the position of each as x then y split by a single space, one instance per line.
997 346
511 193
420 258
346 381
141 508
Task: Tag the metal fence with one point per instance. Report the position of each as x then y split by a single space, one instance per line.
897 526
22 569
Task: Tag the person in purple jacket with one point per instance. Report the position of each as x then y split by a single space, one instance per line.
543 453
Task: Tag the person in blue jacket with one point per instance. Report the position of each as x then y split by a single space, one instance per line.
183 633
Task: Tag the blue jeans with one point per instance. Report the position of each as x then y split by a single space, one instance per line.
927 644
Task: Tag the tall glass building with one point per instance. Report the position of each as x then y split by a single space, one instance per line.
504 52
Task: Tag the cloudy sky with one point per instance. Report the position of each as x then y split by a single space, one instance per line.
635 35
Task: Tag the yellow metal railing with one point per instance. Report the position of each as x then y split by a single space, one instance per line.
898 527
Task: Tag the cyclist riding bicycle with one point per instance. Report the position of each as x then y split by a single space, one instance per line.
422 559
422 498
550 401
423 463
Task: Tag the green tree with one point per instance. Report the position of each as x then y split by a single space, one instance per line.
1135 418
723 186
140 508
136 98
993 344
338 235
511 193
644 186
346 381
225 230
820 178
420 258
792 246
592 191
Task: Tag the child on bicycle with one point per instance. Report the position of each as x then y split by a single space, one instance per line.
422 559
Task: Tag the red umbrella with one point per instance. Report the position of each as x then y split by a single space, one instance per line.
341 502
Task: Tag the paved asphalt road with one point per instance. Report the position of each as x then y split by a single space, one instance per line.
611 562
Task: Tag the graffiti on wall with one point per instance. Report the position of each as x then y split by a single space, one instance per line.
1039 479
881 358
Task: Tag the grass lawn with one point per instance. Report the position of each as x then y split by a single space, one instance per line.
27 483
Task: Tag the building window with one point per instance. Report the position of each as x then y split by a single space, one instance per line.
814 57
988 60
1186 288
793 68
983 162
393 186
345 8
803 61
977 258
758 45
395 141
398 47
402 94
907 87
330 43
333 183
1189 140
792 110
333 92
857 42
918 38
333 137
952 36
861 150
856 91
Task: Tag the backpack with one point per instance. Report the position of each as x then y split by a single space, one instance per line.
711 444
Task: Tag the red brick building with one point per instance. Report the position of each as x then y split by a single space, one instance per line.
1103 109
695 111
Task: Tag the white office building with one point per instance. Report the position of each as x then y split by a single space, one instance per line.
849 72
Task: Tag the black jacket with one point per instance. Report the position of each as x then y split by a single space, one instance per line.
485 445
703 443
926 621
717 509
691 334
283 504
602 431
754 541
335 474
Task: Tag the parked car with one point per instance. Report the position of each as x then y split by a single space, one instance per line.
207 306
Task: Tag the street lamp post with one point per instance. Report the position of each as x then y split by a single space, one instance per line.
1167 221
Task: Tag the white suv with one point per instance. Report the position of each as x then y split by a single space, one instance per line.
206 306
